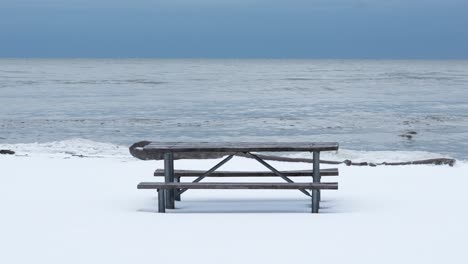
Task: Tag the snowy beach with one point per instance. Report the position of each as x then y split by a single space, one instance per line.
328 132
60 208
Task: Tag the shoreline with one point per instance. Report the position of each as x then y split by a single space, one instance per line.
84 148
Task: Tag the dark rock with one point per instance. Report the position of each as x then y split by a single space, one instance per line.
7 151
409 137
408 134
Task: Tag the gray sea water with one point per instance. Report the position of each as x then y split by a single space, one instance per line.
363 104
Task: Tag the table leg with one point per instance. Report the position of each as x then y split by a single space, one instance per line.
177 191
161 203
168 178
316 179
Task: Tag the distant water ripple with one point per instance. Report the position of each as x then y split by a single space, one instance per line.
363 104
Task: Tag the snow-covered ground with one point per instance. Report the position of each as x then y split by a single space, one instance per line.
57 209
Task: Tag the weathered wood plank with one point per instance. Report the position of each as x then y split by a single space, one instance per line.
235 185
158 147
291 173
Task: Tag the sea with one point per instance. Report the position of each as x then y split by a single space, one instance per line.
381 106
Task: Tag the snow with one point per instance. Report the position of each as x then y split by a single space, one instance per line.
88 210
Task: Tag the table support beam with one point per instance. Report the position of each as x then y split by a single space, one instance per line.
208 172
275 171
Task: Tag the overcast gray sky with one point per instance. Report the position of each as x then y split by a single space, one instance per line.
431 29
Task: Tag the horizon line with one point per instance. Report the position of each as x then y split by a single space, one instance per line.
226 58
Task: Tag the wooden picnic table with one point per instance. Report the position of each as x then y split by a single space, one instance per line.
168 149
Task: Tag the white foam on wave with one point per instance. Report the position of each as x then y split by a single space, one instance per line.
79 147
76 147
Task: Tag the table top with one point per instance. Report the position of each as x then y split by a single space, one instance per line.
160 147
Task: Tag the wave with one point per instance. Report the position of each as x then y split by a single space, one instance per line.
78 147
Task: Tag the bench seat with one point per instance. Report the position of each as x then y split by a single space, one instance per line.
163 187
237 185
291 173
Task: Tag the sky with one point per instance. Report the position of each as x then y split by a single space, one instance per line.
348 29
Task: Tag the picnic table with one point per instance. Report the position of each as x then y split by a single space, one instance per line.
169 191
